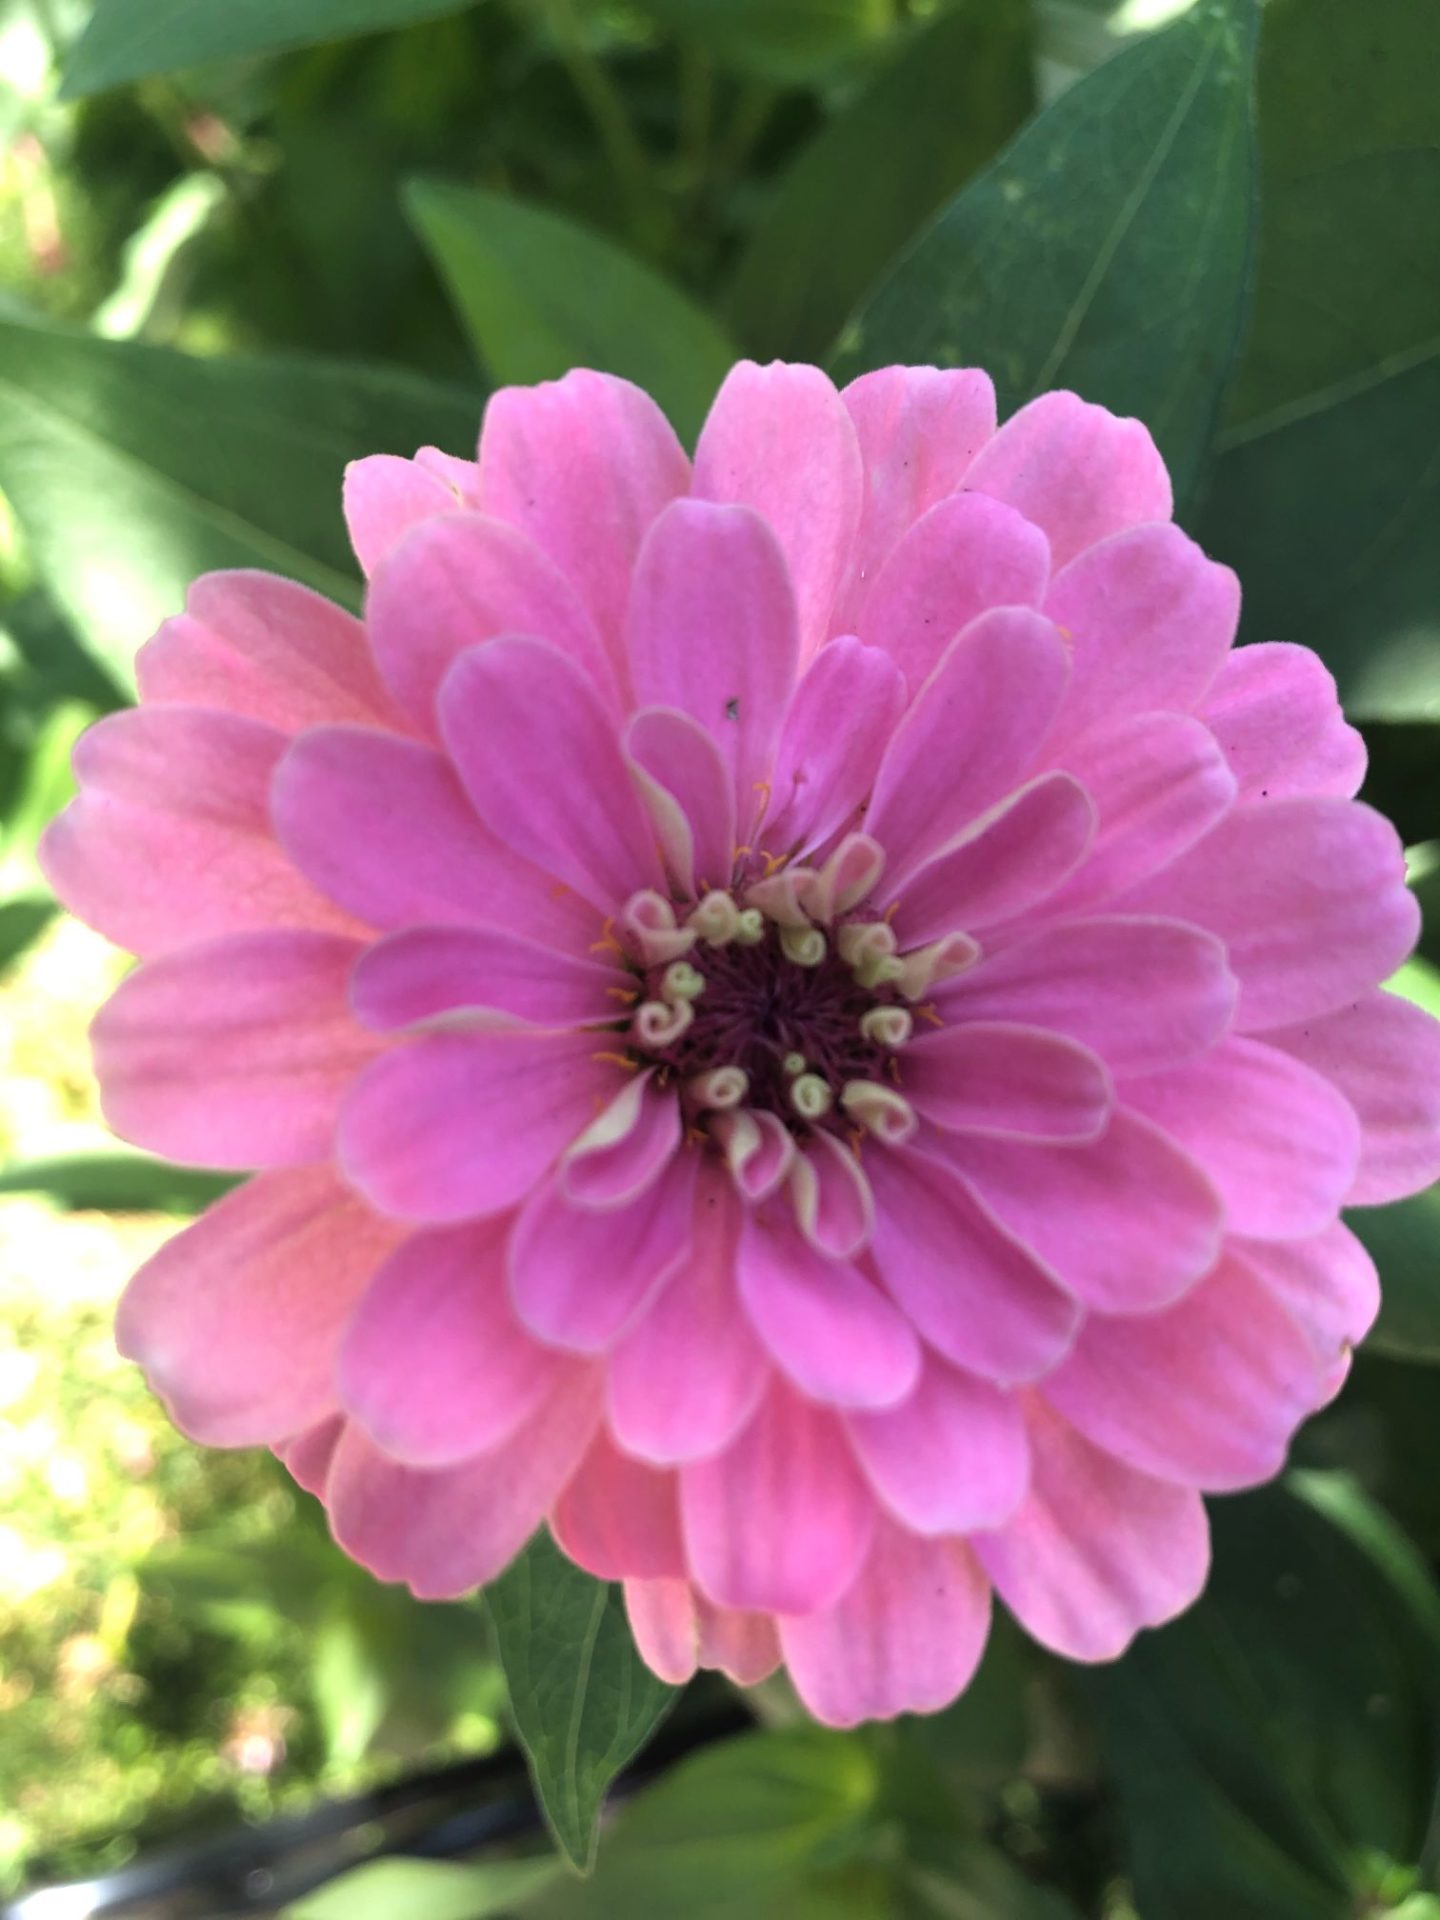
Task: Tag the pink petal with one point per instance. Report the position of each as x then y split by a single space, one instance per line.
952 1458
1128 1222
1309 897
1328 1283
235 1052
1383 1054
839 723
1077 471
778 439
690 794
711 630
825 1325
540 758
905 1638
781 1520
1275 711
462 477
1141 992
434 1365
677 1629
625 1149
918 428
620 1519
1008 863
582 465
970 737
427 972
759 1151
385 497
262 646
170 838
447 1531
667 1634
461 580
308 1456
686 1379
1158 782
1150 621
1207 1393
967 555
1098 1550
382 826
579 1278
992 1077
458 1125
1279 1142
834 1207
743 1646
971 1290
236 1320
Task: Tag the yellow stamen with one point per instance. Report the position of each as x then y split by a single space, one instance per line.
619 1060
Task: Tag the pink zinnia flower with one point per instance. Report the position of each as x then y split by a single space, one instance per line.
804 1017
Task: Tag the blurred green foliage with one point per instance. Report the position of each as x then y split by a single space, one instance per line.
241 243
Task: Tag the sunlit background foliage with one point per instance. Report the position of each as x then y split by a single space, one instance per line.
244 240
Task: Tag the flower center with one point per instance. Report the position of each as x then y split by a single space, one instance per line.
765 1029
784 1003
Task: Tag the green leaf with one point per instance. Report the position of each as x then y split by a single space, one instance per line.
1326 496
956 92
117 1183
131 469
427 1890
1063 265
791 41
517 273
583 1701
21 924
1280 1740
979 1883
734 1833
127 39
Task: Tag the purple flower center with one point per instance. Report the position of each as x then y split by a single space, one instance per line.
775 1020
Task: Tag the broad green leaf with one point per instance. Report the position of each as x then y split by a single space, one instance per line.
131 468
1325 499
736 1832
117 1183
1327 512
582 1700
428 1890
1106 249
979 1883
1278 1744
955 93
21 924
127 39
1350 157
784 40
540 294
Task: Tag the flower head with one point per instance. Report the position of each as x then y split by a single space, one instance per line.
803 1018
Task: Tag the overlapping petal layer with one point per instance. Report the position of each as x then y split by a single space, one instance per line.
806 1020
